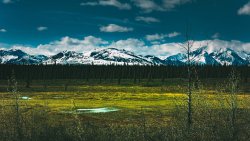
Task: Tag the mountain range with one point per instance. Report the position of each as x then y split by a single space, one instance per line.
202 56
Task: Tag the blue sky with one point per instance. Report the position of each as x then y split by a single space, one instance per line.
30 23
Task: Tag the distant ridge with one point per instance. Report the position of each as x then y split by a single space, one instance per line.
120 56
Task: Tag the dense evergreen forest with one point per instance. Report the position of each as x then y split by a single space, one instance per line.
37 72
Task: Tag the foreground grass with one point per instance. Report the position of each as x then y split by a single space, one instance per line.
147 111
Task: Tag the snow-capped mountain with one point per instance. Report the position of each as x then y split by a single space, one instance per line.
15 56
120 57
155 60
199 56
66 57
228 57
245 55
99 57
217 57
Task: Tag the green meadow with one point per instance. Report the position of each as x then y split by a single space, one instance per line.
143 111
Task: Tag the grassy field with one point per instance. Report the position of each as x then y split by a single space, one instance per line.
142 105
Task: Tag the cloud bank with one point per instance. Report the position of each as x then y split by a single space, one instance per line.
42 28
3 30
114 3
245 10
147 19
148 6
115 28
7 1
157 36
138 46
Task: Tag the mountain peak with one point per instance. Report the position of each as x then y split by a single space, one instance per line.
228 56
108 56
17 56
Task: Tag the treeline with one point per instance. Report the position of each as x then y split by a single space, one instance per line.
104 72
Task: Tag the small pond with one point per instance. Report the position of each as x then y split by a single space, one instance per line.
25 98
94 110
97 110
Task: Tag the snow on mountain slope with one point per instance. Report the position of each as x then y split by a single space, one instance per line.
120 57
15 56
66 57
228 57
178 59
99 57
155 60
245 55
199 56
6 58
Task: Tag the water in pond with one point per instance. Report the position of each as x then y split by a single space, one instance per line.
94 110
25 98
97 110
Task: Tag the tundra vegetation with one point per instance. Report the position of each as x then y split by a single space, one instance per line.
148 103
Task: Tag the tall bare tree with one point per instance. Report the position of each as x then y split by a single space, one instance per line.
12 88
188 47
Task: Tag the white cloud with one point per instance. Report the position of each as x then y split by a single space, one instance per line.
147 5
7 1
173 34
245 10
156 37
91 40
138 46
217 44
115 28
66 43
233 44
167 49
42 28
3 30
87 44
165 5
171 4
129 44
89 4
115 3
147 19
